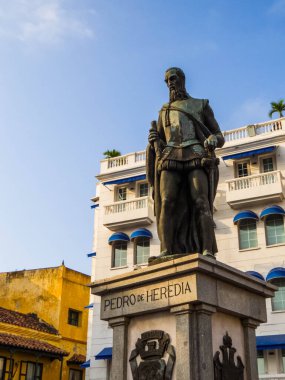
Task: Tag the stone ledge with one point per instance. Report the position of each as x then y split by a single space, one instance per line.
193 263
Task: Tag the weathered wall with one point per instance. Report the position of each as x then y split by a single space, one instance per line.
50 293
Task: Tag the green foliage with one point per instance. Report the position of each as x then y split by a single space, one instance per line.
278 107
112 153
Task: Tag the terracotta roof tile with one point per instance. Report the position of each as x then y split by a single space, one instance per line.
31 321
9 340
76 359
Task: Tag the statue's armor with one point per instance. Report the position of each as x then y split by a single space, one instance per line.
181 131
181 140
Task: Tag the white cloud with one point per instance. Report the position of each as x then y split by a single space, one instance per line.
41 21
250 112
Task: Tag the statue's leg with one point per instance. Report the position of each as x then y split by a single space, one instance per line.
170 183
199 188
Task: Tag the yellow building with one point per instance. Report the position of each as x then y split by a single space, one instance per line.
56 297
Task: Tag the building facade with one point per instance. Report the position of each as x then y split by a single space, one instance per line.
28 347
57 297
249 216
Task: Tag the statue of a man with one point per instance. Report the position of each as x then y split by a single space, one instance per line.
182 169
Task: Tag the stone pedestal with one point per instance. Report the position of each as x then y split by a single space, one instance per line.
195 301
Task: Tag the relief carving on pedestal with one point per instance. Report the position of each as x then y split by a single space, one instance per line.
154 357
228 369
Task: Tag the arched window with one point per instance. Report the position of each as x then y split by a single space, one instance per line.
141 239
119 242
277 277
247 234
119 254
246 222
141 252
278 301
274 229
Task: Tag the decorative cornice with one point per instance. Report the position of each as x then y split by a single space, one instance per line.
250 145
121 173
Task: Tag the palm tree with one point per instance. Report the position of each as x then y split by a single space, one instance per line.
112 153
277 107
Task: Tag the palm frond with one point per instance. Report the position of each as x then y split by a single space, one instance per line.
277 107
112 153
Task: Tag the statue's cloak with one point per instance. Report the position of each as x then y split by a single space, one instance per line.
186 237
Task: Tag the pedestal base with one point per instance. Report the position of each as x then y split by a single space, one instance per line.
171 319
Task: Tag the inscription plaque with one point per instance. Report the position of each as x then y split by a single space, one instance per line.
147 298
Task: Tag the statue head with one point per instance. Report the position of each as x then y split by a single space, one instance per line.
175 80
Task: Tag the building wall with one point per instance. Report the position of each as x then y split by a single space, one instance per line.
51 369
50 293
37 291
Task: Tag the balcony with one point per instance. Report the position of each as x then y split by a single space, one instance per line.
269 127
128 161
272 377
128 214
255 189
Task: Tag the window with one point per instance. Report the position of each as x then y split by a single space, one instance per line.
283 359
260 362
143 189
2 368
274 228
119 254
75 374
5 369
74 317
247 234
242 169
278 301
31 371
267 164
121 194
141 250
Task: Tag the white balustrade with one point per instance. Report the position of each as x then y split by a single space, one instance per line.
258 129
269 126
272 377
235 134
254 181
140 156
126 206
117 161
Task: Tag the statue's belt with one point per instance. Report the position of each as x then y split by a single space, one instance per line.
183 144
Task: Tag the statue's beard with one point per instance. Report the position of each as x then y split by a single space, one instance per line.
177 94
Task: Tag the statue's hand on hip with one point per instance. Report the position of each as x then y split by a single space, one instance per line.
211 143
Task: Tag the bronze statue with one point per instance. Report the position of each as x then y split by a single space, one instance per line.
183 170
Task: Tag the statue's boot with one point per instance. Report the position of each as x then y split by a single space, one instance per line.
208 253
163 254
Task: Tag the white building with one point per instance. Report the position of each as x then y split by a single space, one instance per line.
249 215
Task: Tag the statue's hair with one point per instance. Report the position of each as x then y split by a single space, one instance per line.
179 72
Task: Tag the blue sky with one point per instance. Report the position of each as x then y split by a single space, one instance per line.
79 77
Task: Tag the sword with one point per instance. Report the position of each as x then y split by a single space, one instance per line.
156 143
212 165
